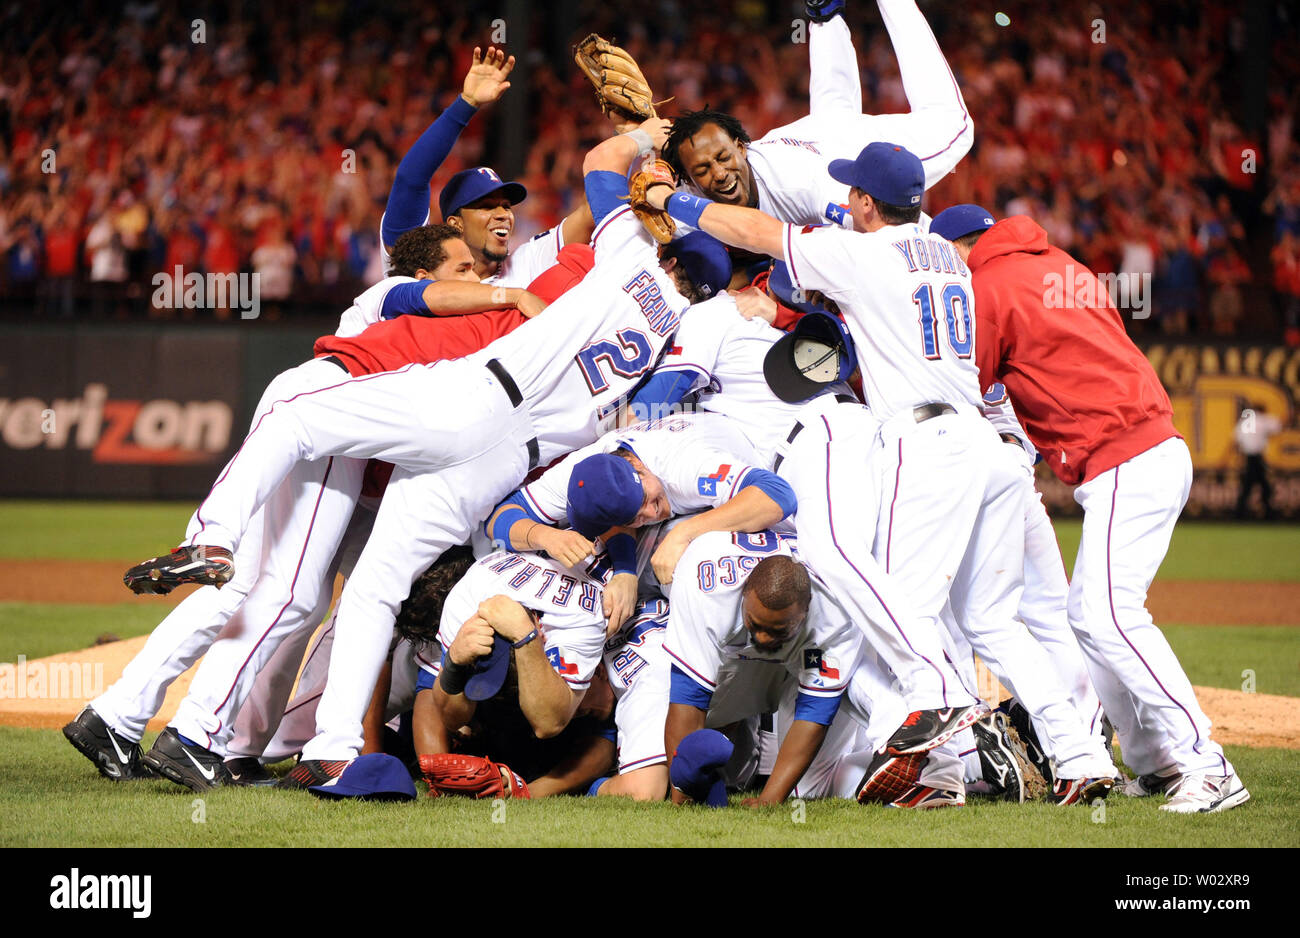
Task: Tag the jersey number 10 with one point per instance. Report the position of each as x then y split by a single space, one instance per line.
956 309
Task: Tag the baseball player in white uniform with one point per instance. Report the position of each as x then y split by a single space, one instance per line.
745 639
283 567
566 637
784 173
950 519
527 398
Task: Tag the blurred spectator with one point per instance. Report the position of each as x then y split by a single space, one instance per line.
273 263
1253 431
1227 273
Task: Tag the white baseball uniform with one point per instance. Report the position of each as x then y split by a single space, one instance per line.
701 459
568 601
789 163
826 662
722 352
950 525
571 368
638 671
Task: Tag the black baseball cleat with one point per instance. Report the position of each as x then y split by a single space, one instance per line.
1020 719
1080 790
924 730
889 778
196 768
309 772
1001 774
208 566
248 771
116 757
822 11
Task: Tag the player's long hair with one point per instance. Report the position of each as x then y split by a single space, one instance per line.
687 125
421 613
420 248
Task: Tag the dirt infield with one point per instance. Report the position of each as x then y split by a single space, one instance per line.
1222 602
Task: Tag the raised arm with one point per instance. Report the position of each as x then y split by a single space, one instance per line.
408 200
736 225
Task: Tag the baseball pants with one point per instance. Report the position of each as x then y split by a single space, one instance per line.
938 128
830 465
191 628
1129 514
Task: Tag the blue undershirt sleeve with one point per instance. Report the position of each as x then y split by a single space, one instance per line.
404 299
513 509
661 391
408 200
820 710
683 689
606 191
775 487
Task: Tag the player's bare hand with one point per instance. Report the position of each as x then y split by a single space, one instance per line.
620 598
753 303
657 195
670 550
568 547
530 304
485 81
658 128
473 641
506 617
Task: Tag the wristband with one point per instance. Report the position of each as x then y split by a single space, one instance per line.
686 208
453 677
644 145
525 640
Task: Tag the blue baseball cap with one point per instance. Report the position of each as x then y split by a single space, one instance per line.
816 353
884 171
377 777
604 491
470 185
961 220
698 764
782 287
706 261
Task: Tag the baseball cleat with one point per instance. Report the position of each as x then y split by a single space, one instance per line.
924 730
1146 785
116 757
1080 790
1206 794
999 765
185 763
208 566
1019 718
890 777
249 772
923 797
310 772
822 11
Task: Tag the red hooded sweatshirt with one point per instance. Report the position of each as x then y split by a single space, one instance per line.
1086 395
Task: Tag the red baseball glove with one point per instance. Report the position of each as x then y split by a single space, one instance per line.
454 774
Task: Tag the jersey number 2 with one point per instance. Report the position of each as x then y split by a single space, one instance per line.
629 357
956 310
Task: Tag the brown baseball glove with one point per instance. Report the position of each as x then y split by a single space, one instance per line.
656 221
620 86
453 774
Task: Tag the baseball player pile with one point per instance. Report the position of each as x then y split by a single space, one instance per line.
718 486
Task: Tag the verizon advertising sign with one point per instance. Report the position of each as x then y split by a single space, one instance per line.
108 413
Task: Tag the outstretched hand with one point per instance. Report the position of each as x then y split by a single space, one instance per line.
485 81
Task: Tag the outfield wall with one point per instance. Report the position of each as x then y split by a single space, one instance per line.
153 411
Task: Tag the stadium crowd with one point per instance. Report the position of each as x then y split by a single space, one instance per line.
128 146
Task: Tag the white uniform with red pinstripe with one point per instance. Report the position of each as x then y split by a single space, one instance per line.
568 601
950 522
789 163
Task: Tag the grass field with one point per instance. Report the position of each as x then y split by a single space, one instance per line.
50 796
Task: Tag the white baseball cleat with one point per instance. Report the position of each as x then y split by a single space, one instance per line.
1152 784
1206 794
